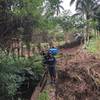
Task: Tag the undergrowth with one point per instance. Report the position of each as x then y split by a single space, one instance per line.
94 45
44 96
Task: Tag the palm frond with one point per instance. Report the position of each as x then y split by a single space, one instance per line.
61 7
76 14
96 7
72 1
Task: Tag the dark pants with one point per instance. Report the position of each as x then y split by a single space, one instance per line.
52 70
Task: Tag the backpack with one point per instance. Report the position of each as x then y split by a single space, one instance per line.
53 51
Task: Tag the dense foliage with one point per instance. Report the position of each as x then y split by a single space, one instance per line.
87 9
23 20
19 76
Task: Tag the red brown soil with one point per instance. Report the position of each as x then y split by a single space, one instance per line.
78 75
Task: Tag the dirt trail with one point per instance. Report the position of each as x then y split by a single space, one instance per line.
49 88
78 75
36 93
45 86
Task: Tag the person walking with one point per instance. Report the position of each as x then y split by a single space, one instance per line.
51 65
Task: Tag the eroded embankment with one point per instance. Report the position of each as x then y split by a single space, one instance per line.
79 79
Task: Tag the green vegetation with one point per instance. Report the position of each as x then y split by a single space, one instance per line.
94 45
44 96
12 74
88 10
29 26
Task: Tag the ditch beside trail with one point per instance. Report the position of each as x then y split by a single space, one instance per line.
78 76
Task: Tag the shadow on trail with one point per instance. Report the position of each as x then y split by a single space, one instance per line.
73 43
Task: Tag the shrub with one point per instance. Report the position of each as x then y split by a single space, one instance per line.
14 74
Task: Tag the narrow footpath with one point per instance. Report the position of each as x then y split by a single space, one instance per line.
78 76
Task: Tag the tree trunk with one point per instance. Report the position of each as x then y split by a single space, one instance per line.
28 50
39 47
86 35
22 50
51 44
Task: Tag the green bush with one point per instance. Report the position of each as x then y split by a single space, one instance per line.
10 81
44 96
94 45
